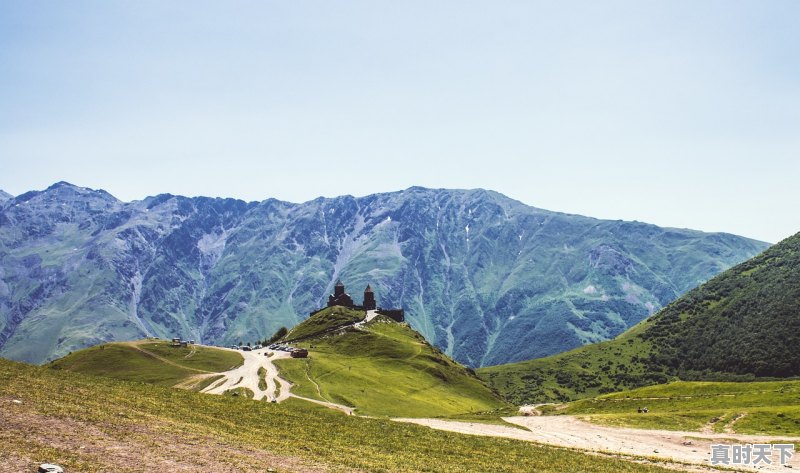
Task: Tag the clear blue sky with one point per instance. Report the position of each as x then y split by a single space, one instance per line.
678 113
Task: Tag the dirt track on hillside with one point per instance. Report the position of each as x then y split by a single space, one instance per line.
568 431
246 376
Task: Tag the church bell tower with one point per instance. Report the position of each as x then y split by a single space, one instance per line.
369 299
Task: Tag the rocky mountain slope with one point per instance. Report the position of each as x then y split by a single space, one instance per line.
487 279
741 325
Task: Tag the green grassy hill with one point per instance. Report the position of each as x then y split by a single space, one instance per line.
770 408
323 321
386 369
150 361
95 424
742 325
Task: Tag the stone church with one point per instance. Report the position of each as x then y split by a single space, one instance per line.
342 298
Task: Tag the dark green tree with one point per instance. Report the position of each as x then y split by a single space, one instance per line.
278 335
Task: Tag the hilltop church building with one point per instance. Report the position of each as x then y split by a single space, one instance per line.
342 298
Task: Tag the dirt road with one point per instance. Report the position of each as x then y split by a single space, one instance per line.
568 431
371 314
330 405
246 376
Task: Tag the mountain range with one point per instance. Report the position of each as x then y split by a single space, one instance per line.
485 278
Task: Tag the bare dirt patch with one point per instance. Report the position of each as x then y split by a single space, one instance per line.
30 438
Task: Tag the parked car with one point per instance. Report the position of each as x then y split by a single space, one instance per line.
246 348
299 353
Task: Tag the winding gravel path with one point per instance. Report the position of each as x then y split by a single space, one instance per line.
246 376
569 431
277 387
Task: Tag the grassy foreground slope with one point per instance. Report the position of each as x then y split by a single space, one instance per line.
93 424
386 368
742 325
771 408
148 361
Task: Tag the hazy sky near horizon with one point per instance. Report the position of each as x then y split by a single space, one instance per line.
677 113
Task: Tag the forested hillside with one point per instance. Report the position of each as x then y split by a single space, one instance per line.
742 324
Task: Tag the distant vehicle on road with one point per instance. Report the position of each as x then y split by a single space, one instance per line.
299 353
246 348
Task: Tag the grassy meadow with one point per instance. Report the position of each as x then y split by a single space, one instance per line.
770 408
150 361
94 424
